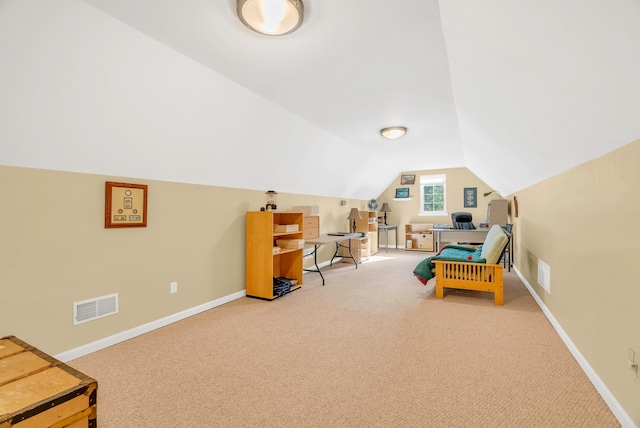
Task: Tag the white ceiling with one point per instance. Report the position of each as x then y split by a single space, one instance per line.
515 91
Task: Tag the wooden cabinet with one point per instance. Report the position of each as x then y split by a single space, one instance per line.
360 248
311 227
262 263
418 237
369 225
363 248
498 212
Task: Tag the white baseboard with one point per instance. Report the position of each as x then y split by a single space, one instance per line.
145 328
622 416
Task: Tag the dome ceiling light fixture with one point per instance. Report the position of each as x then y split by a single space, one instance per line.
271 17
393 132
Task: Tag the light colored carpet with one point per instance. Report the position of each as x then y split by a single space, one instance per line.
372 348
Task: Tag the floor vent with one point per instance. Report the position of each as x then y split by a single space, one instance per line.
91 309
544 275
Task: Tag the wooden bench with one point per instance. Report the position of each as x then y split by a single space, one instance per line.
470 276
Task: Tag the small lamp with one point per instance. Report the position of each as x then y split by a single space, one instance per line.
385 209
493 191
272 200
354 215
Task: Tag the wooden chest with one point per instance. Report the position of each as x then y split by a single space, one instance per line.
36 390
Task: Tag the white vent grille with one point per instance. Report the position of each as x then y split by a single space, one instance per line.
544 275
91 309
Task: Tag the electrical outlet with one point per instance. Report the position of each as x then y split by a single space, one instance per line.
174 287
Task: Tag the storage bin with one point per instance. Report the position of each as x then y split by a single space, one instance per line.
36 390
281 228
290 243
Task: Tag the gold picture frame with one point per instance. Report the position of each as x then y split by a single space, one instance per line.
407 179
125 205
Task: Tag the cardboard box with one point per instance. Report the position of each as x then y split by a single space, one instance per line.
279 228
290 243
306 210
36 390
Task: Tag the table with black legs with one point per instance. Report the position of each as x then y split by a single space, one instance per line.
330 238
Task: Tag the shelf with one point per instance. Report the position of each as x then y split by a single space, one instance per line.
419 235
261 264
277 234
368 226
285 251
402 199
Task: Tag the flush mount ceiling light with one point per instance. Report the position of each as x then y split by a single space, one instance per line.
271 17
393 132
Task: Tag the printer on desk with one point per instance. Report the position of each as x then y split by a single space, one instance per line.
442 226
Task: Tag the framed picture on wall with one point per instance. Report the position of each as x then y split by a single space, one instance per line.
471 197
125 205
402 192
407 179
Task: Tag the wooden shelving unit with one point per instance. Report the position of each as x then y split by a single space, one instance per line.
262 264
369 224
419 235
362 249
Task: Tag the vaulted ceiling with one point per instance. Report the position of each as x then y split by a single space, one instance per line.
181 90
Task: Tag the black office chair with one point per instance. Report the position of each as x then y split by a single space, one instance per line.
463 220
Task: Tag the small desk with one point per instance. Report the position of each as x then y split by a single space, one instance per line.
458 235
325 239
387 228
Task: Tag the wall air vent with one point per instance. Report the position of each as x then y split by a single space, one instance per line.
544 275
91 309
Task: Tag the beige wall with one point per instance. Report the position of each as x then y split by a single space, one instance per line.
404 212
55 250
584 224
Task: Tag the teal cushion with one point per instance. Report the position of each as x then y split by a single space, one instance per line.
476 256
426 269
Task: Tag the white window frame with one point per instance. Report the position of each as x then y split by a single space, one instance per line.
430 180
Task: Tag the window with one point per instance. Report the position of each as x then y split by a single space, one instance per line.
432 195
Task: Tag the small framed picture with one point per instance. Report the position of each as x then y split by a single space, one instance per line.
471 197
125 205
402 192
407 179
